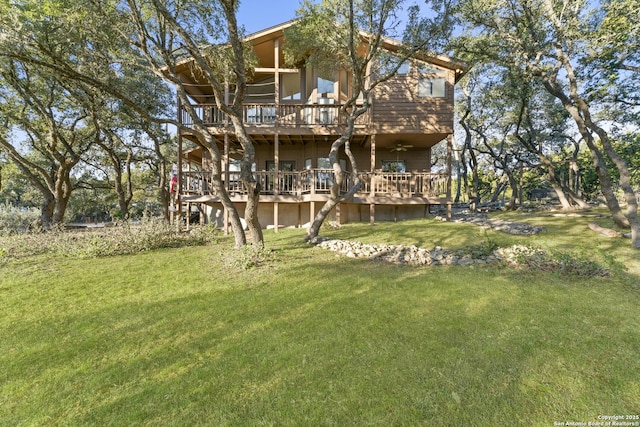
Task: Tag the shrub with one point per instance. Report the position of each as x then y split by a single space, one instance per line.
125 238
16 220
485 248
129 238
556 261
247 257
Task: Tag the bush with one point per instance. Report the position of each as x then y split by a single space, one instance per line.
128 238
123 239
16 220
247 257
556 261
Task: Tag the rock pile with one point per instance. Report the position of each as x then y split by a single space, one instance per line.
401 254
517 228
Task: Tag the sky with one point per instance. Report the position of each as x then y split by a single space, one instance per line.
256 15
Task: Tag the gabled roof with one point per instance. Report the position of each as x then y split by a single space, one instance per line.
388 43
271 31
391 44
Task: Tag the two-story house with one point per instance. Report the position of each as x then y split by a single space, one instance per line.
292 115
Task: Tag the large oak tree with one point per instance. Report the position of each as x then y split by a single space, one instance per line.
547 40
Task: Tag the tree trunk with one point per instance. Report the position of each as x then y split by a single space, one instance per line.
339 176
579 111
553 180
46 211
225 200
625 184
500 187
251 186
514 201
334 197
459 183
604 231
606 186
163 192
474 194
61 194
123 192
314 228
464 177
251 210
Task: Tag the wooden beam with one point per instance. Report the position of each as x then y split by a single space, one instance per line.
373 153
273 70
276 160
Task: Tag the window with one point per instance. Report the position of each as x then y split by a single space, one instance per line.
325 85
324 176
234 166
286 181
262 90
285 166
325 163
431 82
290 87
261 114
394 166
388 62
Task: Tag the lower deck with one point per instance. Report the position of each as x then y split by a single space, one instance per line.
315 184
292 199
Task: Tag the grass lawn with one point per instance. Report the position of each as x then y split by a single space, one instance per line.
173 337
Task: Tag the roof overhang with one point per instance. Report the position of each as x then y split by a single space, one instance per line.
199 91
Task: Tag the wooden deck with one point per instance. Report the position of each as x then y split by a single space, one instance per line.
299 186
271 114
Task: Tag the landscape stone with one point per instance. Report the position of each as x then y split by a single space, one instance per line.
401 254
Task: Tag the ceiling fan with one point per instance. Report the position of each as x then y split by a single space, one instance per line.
401 147
398 148
235 150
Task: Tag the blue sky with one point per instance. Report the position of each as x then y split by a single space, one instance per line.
256 15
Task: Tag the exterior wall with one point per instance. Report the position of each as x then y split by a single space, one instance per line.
297 153
416 158
299 214
398 108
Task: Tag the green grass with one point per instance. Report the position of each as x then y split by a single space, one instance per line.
174 337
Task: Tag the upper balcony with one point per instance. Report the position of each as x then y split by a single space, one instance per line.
271 115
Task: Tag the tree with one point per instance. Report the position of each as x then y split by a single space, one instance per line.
614 58
163 148
15 189
541 125
57 133
547 39
488 123
100 76
351 35
206 33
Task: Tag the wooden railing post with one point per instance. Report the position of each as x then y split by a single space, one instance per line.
449 172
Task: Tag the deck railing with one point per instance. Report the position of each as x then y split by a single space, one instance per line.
319 181
292 115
